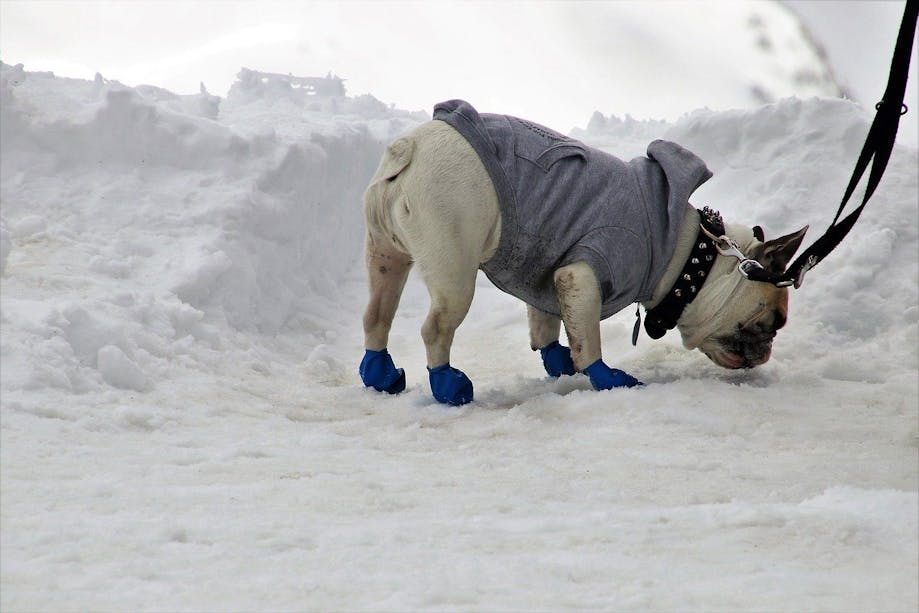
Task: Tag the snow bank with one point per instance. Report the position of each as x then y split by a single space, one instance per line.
177 215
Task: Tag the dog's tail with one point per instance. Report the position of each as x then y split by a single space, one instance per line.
382 192
396 158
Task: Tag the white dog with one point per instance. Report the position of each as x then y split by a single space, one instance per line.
573 231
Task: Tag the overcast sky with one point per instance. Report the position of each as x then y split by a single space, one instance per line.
398 50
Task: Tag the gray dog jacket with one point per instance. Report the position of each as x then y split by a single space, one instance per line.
563 202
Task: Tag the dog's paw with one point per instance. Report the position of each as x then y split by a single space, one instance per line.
602 377
556 359
450 385
378 371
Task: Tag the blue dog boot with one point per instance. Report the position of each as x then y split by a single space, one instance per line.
557 360
450 385
378 371
602 377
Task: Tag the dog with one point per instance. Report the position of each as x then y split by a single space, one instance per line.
574 232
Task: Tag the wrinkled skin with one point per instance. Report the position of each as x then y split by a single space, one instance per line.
750 345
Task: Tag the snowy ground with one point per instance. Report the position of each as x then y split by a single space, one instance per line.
183 426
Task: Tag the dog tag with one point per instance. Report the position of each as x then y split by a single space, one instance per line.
637 327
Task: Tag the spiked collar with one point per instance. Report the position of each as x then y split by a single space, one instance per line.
665 315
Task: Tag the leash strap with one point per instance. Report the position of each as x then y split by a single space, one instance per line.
878 144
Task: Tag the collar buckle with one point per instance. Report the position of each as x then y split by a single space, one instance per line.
748 267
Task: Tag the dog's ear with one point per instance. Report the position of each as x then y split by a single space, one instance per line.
777 253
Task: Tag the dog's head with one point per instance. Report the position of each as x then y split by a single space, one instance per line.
734 320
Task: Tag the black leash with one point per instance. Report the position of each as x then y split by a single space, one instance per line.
878 145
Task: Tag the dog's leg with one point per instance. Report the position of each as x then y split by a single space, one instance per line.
544 331
387 270
544 328
449 306
442 243
579 298
441 240
445 241
451 287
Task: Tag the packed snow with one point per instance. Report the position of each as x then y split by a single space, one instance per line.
183 426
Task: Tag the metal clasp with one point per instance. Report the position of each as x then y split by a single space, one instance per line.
727 246
748 267
808 264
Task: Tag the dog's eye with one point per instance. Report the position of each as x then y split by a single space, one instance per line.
778 320
769 322
765 321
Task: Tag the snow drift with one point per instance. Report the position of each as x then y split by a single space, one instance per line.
181 299
183 221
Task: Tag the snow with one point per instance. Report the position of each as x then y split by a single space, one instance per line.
183 426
